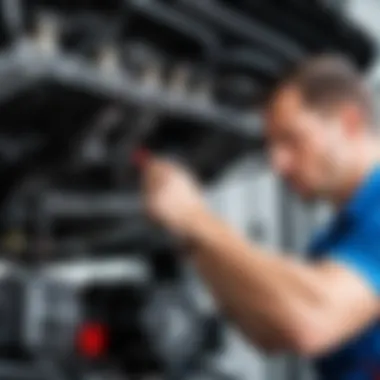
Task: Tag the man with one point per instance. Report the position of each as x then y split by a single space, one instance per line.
322 142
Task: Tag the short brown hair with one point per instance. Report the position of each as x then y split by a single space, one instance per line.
326 81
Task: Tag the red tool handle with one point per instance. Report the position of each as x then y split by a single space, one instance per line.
140 157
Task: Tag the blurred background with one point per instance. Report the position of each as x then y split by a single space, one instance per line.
89 289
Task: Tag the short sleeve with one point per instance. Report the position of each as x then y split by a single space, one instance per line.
359 252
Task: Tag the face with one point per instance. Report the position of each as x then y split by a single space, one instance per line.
309 149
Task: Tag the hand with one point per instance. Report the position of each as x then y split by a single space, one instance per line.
172 196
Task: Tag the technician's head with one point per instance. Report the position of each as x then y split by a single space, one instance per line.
318 124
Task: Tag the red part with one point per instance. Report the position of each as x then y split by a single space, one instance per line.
92 340
140 157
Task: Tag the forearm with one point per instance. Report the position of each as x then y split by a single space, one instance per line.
233 300
253 327
266 294
252 324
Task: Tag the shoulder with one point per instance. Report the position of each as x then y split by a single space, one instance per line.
358 250
369 226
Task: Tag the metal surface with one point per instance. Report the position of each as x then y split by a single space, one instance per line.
80 273
77 205
246 28
12 13
27 65
12 370
171 17
174 327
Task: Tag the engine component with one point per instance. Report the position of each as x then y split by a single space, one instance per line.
12 298
246 29
144 65
111 314
171 319
47 33
75 313
239 92
172 30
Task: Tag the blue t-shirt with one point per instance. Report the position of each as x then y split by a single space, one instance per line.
353 240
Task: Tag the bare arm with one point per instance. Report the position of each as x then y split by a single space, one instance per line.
308 309
277 302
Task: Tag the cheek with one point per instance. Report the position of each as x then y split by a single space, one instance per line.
335 147
332 156
316 157
313 148
311 144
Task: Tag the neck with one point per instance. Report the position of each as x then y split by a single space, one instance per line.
367 155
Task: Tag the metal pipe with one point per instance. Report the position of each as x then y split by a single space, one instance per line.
27 65
79 205
246 28
13 17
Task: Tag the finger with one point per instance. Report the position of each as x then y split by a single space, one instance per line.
155 174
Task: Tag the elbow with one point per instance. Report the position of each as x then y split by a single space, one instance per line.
310 342
307 344
309 339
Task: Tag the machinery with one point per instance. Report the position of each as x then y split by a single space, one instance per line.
89 288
